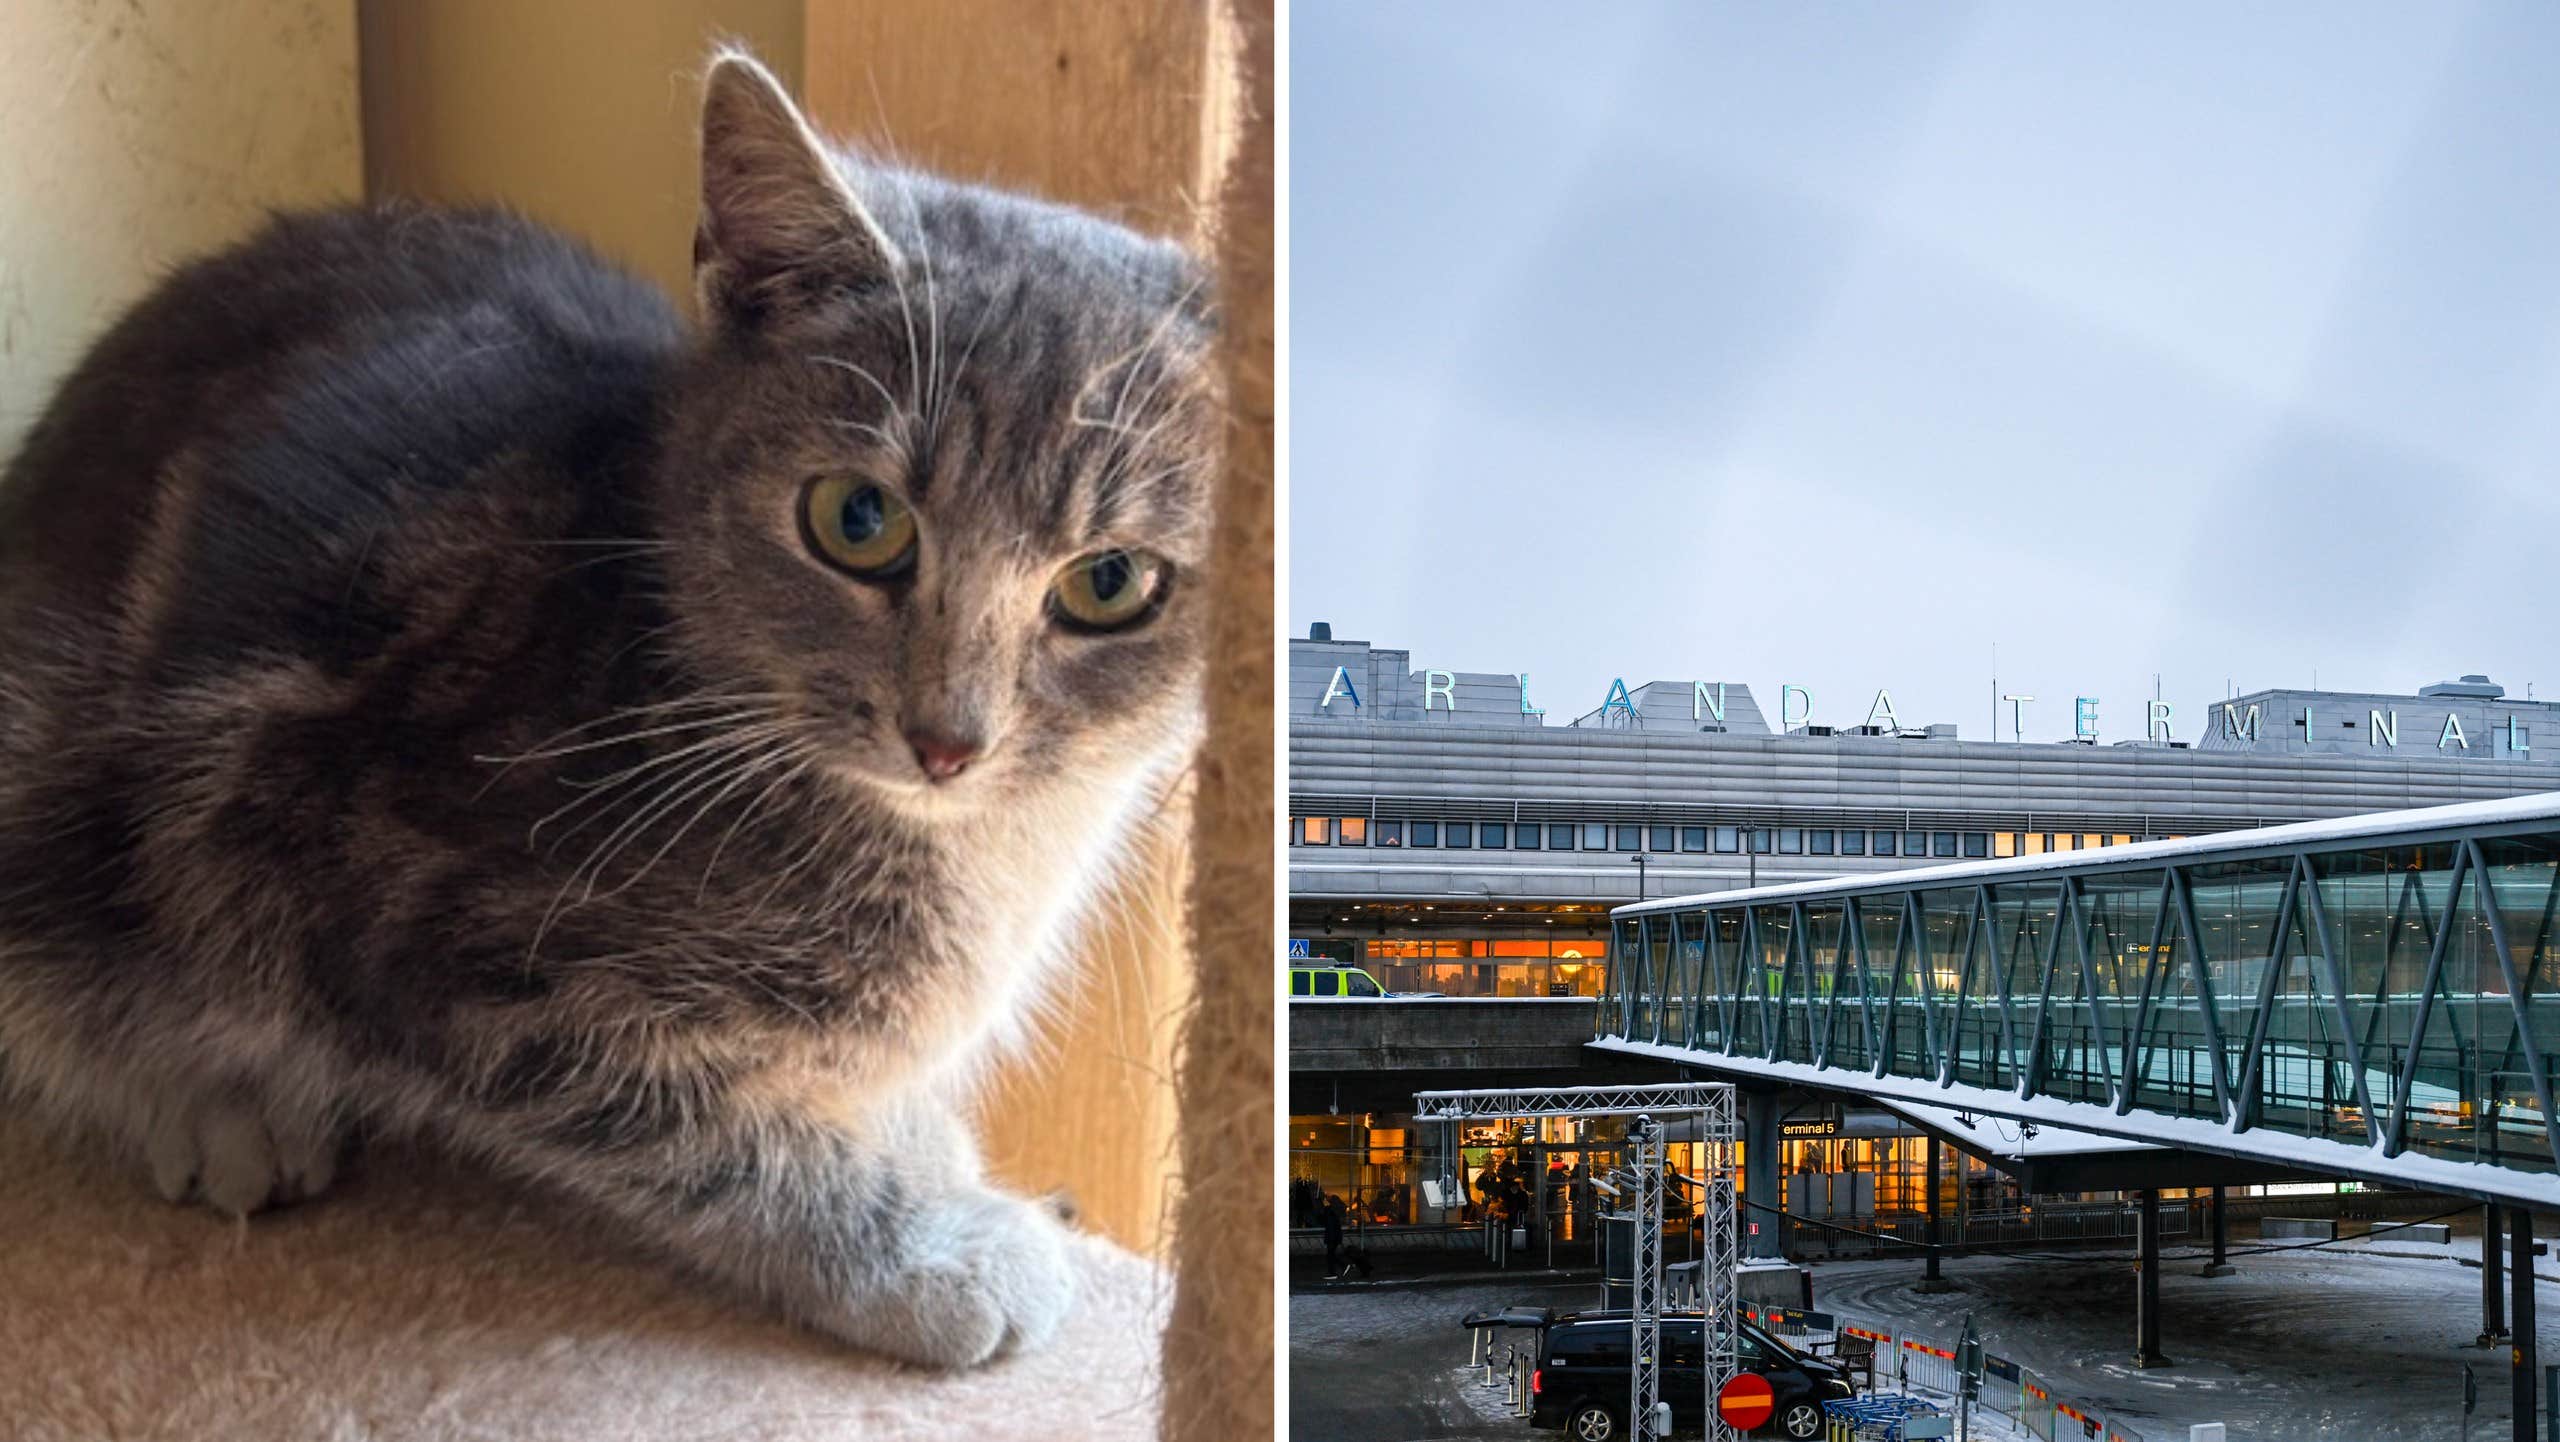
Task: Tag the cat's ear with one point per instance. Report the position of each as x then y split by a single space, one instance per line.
780 227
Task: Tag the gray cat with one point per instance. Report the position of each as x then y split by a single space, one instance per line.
440 696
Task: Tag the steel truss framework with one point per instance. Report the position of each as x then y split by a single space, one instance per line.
1719 1298
2387 994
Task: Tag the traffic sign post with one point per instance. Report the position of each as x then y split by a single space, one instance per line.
1746 1402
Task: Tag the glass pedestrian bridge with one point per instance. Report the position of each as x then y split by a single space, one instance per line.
2376 996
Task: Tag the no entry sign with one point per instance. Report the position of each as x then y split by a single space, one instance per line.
1746 1401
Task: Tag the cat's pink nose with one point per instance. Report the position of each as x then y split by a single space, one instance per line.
942 757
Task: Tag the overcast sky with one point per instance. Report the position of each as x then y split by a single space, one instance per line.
1833 344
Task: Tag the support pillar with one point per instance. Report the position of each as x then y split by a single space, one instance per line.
2220 1266
1538 1217
1930 1280
2493 1287
2146 1347
1763 1232
2521 1358
1764 1274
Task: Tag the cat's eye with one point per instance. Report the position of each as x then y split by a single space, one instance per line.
1108 591
860 527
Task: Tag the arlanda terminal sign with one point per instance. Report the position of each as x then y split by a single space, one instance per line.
2236 722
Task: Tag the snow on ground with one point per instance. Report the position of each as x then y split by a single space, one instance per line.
2328 1345
2322 1345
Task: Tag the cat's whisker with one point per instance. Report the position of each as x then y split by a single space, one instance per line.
547 750
859 372
811 752
507 764
630 774
668 792
763 761
679 703
721 754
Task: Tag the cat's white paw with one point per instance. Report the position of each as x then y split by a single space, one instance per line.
981 1277
226 1154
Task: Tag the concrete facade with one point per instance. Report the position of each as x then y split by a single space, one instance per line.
1442 748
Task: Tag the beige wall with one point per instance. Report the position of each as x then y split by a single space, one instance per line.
579 112
136 135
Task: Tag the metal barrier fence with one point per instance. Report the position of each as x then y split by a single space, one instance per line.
2064 1222
1924 1370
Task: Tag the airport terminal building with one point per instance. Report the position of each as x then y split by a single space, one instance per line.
1450 839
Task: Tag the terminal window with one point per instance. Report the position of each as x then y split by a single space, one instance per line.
1728 838
1390 833
1791 840
1818 842
1595 837
1524 838
1494 834
1884 842
1942 843
1693 838
1977 843
1559 838
1853 843
1916 843
1760 839
1631 838
1426 833
1355 831
1661 839
1319 830
1461 835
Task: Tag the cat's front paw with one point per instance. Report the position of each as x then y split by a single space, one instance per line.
978 1277
237 1158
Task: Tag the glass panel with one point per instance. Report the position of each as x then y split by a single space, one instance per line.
1728 838
1631 838
1945 932
1670 991
1559 838
1754 983
2175 1068
1693 838
2305 1085
2383 908
1494 834
1524 837
1701 1024
1627 960
1739 1025
1846 1044
1853 843
1782 973
1659 838
1817 843
2084 1043
1426 833
1902 1022
2235 914
2504 1102
2025 921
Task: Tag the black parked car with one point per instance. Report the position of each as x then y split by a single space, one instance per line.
1580 1387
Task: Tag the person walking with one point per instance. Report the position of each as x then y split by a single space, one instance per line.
1332 1237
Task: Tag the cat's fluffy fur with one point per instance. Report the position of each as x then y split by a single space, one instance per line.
421 710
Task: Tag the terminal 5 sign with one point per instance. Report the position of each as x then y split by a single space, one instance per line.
1795 707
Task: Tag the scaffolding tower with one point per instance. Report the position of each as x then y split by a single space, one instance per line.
1648 1107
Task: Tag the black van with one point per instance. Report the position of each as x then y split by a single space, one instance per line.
1580 1387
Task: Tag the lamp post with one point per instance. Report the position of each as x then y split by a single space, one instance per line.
1639 859
1751 849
